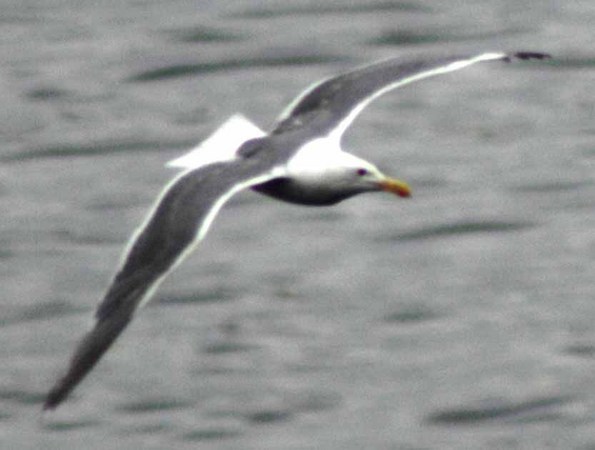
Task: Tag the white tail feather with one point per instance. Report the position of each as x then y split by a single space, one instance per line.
221 145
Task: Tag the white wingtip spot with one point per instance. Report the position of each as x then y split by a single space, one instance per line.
221 145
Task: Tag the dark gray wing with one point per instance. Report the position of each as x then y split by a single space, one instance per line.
331 106
180 219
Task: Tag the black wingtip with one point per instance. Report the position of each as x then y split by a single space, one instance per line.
58 394
53 399
526 56
88 353
62 389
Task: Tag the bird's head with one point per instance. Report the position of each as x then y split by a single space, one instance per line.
361 176
319 176
372 179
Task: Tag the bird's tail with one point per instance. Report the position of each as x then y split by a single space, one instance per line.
221 145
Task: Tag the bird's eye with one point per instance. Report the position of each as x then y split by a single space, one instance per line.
362 172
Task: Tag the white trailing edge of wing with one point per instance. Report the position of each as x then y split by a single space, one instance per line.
221 145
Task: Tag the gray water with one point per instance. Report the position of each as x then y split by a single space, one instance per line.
462 318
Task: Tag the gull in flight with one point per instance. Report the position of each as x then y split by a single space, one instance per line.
300 161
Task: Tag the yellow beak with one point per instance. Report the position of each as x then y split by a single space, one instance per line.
395 186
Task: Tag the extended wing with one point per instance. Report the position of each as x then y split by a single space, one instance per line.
180 219
332 104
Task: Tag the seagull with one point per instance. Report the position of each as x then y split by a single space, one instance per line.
300 161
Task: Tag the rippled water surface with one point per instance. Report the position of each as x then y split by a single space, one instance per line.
462 318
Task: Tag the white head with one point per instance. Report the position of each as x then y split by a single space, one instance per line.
334 175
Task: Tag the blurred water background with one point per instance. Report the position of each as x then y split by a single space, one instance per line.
462 318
